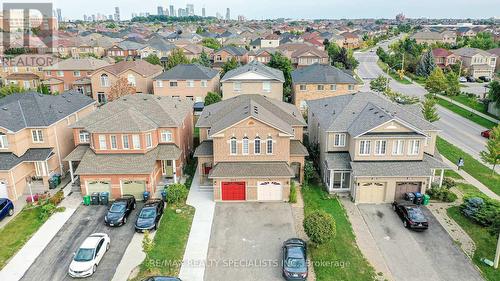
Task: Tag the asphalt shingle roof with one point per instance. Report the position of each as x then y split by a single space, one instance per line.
206 148
192 71
9 160
319 73
256 67
251 170
398 168
338 160
297 148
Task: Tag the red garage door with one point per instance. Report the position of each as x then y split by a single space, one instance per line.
233 191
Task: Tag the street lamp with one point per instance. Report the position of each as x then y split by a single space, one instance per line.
28 181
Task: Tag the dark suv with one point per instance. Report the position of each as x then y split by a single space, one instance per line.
120 210
6 208
150 215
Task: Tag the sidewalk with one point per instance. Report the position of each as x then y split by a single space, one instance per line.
193 266
470 109
131 259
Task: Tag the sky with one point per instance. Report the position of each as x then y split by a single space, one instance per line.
297 9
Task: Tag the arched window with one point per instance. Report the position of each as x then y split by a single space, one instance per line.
131 79
104 80
269 145
232 144
256 145
245 145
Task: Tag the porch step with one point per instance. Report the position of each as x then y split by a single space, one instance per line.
206 188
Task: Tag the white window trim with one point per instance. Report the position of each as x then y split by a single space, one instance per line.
247 142
231 146
4 142
77 73
134 142
38 136
272 146
159 83
396 149
265 87
342 140
204 83
171 82
190 83
237 89
149 140
333 87
255 147
378 147
362 148
166 136
84 137
300 87
111 142
412 146
102 139
125 137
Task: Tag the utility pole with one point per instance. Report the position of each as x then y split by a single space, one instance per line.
403 63
460 69
497 254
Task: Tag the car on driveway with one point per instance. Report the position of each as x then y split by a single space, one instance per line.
88 256
486 134
6 208
462 80
150 215
295 260
411 215
120 210
162 278
470 79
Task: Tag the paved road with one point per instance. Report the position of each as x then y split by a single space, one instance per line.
53 262
413 256
479 89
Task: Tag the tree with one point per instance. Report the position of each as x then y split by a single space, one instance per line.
426 64
279 61
483 41
120 88
492 153
11 89
200 30
453 85
212 98
429 109
43 89
436 83
204 59
379 84
229 65
494 93
341 57
211 43
148 245
175 58
153 59
319 226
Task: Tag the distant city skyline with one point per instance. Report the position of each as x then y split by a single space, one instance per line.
296 9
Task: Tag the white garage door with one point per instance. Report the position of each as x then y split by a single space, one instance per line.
98 186
372 192
135 188
269 191
3 190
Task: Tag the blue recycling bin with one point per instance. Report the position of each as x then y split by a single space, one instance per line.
164 195
418 198
145 196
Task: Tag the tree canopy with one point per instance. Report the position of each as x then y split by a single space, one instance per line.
176 57
153 59
212 98
436 83
429 109
229 65
379 84
426 64
279 61
491 154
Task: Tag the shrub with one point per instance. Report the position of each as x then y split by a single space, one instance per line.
293 193
319 226
449 183
47 210
309 172
481 211
177 193
442 194
57 198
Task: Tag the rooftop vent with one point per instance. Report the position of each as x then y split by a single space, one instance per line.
325 105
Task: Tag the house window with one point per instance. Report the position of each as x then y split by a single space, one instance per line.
302 87
266 86
269 145
320 87
190 83
102 142
364 147
48 73
84 136
101 97
125 142
245 145
204 83
398 147
149 140
237 86
232 144
26 84
136 141
131 79
256 146
380 147
37 136
166 136
60 73
339 140
114 145
303 104
350 87
4 143
104 80
333 87
76 73
173 84
413 147
159 84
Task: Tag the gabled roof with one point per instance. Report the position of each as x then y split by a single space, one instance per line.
233 50
192 71
469 52
130 45
258 68
441 52
140 66
319 73
89 63
224 114
19 111
309 49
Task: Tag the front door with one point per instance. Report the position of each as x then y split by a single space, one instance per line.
168 168
3 189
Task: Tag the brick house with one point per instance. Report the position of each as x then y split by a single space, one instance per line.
226 53
444 58
477 62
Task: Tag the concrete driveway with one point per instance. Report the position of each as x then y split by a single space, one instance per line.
246 241
410 255
53 262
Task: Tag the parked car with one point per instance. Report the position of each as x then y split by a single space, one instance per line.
88 256
150 215
6 208
486 134
411 215
485 78
162 278
120 210
295 259
470 79
462 79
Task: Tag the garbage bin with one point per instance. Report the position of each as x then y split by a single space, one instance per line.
52 183
164 195
94 198
418 198
86 200
426 199
58 177
145 196
104 197
409 196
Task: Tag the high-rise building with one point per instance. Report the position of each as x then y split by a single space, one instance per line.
228 14
172 11
241 18
203 12
117 13
59 15
160 11
93 18
110 17
190 9
84 17
134 15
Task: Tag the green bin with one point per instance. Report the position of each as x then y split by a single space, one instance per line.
86 200
426 199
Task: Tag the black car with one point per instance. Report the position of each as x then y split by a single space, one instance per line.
150 215
411 215
120 210
485 78
295 259
470 79
162 278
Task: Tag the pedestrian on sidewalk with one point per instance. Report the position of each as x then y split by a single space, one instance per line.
460 163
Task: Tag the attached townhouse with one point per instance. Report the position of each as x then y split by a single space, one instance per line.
27 66
304 54
138 73
477 62
193 81
444 58
251 149
372 148
320 81
134 144
34 138
125 49
253 78
227 53
431 37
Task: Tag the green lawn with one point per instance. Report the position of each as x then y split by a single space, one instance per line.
466 114
470 190
473 167
339 259
170 243
485 243
17 232
472 103
452 174
392 73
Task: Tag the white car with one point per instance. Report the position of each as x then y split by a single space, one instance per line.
88 256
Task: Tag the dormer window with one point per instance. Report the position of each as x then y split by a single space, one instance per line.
149 140
339 140
102 142
104 80
159 83
166 136
131 79
237 86
266 86
413 147
232 146
4 143
364 147
84 136
37 136
380 147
